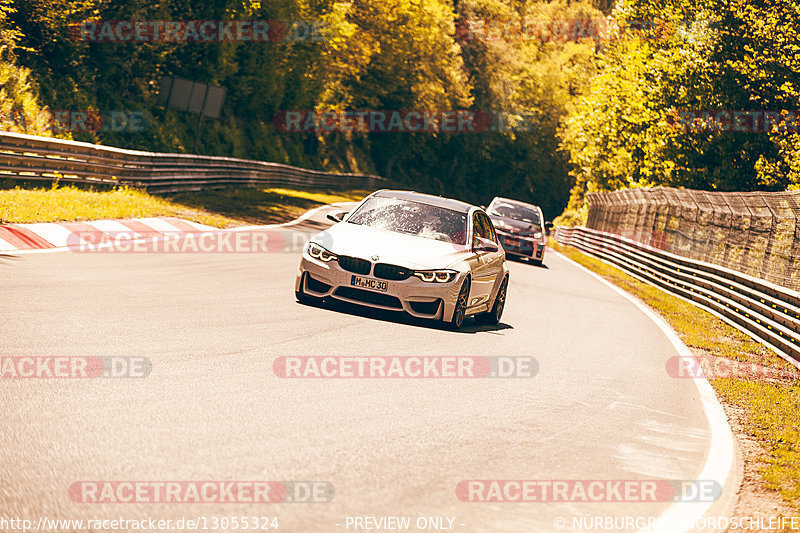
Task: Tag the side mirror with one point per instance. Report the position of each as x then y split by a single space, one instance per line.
336 216
486 245
547 227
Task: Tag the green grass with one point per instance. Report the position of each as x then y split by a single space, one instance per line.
218 208
773 418
263 206
770 407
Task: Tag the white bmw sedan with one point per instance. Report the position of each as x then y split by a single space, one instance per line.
429 256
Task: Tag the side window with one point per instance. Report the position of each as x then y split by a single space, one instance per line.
477 229
482 228
489 227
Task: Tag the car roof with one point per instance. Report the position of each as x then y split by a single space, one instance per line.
439 201
510 201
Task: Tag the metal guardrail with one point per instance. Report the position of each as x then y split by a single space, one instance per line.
30 157
767 312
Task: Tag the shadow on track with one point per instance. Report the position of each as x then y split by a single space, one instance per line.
398 317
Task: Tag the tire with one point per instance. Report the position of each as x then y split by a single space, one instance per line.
460 312
493 317
304 298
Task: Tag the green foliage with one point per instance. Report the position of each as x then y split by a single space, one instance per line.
19 108
730 56
375 55
574 116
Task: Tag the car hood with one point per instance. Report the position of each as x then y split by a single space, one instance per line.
514 226
391 247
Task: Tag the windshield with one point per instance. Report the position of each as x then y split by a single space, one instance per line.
412 218
515 211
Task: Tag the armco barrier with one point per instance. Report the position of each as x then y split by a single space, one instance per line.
768 312
31 157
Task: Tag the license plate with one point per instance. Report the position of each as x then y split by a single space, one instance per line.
368 283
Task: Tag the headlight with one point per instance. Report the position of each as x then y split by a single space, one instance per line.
318 252
537 235
436 276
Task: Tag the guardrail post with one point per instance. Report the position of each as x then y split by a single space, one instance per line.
792 275
754 264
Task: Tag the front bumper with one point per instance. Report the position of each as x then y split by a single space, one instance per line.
521 246
413 296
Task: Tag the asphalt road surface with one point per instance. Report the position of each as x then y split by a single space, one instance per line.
601 406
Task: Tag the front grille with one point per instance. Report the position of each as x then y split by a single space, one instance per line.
368 297
354 264
426 308
316 285
393 272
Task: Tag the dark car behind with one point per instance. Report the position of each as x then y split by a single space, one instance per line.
520 227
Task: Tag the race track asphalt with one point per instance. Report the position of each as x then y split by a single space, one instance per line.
601 407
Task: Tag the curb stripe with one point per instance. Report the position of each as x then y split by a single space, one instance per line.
140 227
6 246
160 225
22 238
52 232
56 236
83 233
114 228
182 225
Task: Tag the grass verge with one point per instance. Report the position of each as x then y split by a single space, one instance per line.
764 410
219 208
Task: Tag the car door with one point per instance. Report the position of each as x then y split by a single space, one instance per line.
487 264
494 260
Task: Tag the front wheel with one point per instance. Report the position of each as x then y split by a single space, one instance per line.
493 316
460 312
